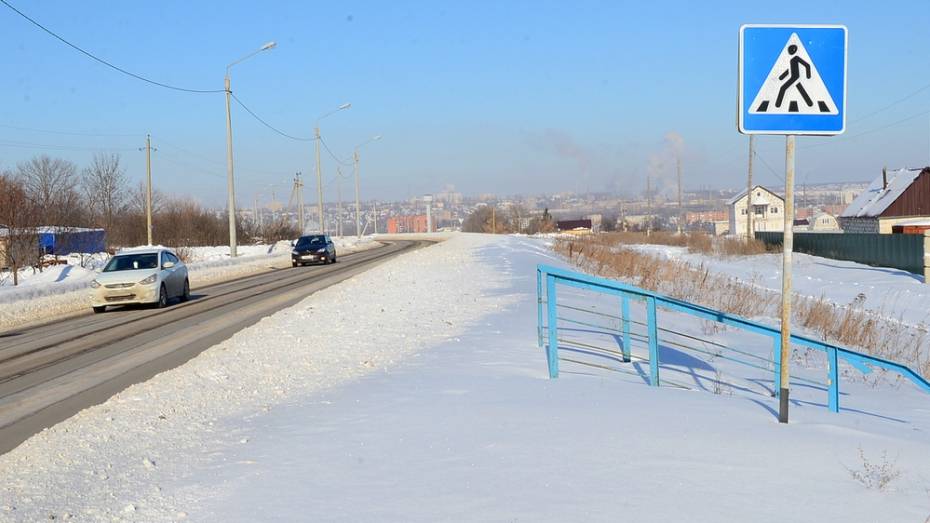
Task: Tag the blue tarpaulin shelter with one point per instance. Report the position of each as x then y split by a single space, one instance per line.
63 241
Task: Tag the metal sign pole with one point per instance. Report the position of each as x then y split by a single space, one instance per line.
787 246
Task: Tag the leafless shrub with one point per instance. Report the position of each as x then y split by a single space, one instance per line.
184 253
876 474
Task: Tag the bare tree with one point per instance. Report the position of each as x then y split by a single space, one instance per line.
51 183
104 184
19 243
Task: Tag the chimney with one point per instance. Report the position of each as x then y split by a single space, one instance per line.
884 178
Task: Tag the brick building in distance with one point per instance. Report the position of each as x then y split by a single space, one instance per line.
402 224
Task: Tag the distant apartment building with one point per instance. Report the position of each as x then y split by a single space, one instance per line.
405 224
768 210
899 197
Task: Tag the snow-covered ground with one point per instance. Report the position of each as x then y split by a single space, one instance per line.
60 290
893 293
416 392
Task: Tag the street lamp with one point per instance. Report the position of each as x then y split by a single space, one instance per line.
229 152
319 173
358 216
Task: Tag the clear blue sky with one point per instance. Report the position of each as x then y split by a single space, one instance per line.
501 97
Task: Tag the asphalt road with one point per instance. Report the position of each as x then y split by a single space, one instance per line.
52 371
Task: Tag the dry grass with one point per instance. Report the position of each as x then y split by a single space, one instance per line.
848 325
696 242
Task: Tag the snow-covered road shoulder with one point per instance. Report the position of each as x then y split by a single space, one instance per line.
63 290
108 461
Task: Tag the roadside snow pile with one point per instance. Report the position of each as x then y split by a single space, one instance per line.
61 290
332 410
127 450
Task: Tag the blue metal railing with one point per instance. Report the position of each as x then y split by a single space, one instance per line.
549 277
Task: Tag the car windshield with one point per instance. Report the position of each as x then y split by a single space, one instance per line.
311 241
132 262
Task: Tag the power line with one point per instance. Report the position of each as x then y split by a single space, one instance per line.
335 158
263 122
892 104
870 131
70 133
104 62
769 167
53 147
217 163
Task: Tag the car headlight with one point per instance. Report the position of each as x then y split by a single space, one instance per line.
150 280
94 284
321 250
295 253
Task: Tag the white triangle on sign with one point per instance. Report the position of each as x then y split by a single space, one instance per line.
793 86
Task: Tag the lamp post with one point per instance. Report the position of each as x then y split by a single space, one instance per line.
319 172
230 186
358 215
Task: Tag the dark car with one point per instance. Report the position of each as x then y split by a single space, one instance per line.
315 248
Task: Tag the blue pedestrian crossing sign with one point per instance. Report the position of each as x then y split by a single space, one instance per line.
792 79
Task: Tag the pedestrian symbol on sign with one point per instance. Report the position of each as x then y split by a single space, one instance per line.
793 85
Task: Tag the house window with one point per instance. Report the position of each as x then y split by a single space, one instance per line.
774 210
760 209
743 212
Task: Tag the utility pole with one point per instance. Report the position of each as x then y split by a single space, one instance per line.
148 187
493 220
358 208
374 206
338 202
255 217
787 247
752 152
230 186
231 204
648 203
680 211
429 212
319 178
299 186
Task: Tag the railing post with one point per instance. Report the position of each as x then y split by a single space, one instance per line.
539 308
552 351
833 379
653 341
776 357
625 319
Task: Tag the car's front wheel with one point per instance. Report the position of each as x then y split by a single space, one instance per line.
162 298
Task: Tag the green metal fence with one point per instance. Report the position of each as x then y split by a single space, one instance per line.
900 251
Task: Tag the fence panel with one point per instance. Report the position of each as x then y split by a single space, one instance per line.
900 251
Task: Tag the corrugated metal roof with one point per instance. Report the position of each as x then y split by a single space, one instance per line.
877 198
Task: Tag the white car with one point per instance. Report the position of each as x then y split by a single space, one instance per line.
153 276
